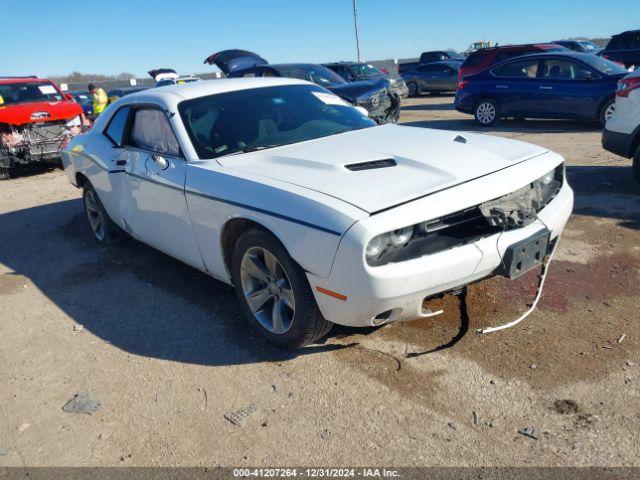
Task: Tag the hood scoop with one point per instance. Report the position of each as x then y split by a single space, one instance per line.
372 165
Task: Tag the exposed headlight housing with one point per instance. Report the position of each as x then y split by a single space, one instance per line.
514 210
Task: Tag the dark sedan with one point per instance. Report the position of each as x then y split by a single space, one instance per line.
440 56
562 86
579 46
359 71
374 95
433 77
85 99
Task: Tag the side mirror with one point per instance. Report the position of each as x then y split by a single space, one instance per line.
68 96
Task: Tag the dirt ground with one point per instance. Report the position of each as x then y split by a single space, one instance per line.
164 351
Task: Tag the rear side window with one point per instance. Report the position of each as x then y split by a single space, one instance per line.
501 57
151 131
518 69
431 57
558 69
474 59
116 128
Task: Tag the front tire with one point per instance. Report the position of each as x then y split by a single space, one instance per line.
104 230
413 89
487 112
274 293
5 173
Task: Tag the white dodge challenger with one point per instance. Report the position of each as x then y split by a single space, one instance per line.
313 212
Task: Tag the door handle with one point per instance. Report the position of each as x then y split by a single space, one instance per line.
502 86
160 161
121 163
546 88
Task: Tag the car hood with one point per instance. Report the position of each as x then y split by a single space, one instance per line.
39 112
354 90
425 161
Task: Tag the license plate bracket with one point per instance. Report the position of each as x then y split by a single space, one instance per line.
526 254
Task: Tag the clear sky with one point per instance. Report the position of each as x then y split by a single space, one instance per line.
49 37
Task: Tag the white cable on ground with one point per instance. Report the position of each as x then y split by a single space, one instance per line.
545 271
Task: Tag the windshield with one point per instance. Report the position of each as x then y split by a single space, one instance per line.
589 45
455 55
83 98
25 92
259 118
312 73
364 70
603 65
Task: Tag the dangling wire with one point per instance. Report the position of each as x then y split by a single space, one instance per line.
543 277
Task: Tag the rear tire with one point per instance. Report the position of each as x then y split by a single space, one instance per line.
104 230
274 293
636 165
607 112
487 112
5 173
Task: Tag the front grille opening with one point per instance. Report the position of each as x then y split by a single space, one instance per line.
385 163
453 231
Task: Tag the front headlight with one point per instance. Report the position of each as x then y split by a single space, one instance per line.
548 178
395 239
377 245
548 186
398 238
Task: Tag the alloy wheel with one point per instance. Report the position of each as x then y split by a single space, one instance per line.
608 113
267 290
486 113
95 214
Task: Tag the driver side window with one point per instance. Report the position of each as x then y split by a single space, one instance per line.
151 131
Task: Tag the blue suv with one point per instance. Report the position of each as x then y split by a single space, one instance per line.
547 85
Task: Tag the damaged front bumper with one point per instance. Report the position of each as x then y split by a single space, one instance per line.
396 291
32 143
383 107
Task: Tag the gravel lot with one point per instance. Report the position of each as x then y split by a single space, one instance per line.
164 351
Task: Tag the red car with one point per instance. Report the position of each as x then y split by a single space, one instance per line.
36 121
482 59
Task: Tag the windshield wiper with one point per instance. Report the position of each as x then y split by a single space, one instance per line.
250 149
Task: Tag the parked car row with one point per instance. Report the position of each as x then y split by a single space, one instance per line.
379 97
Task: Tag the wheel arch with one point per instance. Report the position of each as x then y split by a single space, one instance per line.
81 180
233 229
603 104
485 96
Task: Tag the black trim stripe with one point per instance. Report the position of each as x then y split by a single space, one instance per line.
240 205
146 179
266 212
